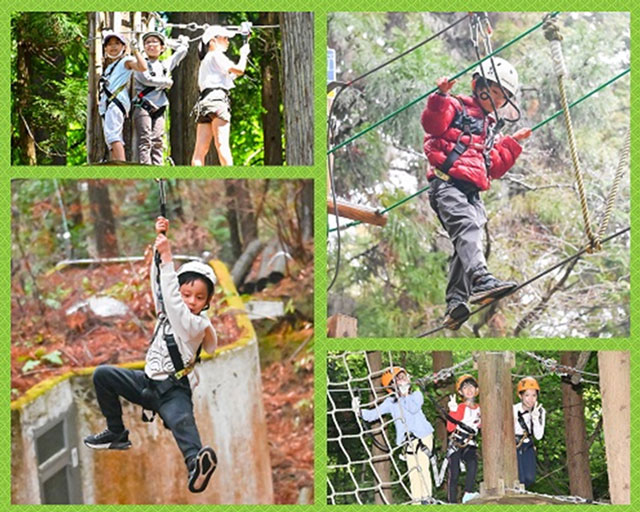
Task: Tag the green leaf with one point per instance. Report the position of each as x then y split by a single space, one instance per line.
30 365
54 358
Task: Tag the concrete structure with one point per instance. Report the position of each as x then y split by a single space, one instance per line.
50 464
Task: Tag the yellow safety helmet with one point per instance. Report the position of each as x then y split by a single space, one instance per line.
389 375
528 383
464 378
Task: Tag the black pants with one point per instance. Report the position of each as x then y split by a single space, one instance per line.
469 457
526 464
174 406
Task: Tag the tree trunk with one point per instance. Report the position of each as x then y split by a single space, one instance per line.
184 93
304 210
575 434
297 55
27 143
240 215
500 466
104 226
616 416
442 360
271 96
95 141
381 467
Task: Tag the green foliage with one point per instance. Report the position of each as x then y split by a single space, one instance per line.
552 474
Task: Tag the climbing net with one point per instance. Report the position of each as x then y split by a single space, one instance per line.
365 465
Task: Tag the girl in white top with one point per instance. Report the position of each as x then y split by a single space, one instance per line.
215 79
114 101
529 420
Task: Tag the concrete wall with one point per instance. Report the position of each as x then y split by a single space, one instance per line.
229 414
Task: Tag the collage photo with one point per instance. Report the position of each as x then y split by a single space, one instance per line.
188 323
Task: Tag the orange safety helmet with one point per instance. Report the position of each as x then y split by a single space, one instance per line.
464 378
528 383
389 375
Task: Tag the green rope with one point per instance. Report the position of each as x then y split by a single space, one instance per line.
420 98
597 89
539 125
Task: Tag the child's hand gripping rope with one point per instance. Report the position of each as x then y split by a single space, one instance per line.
162 244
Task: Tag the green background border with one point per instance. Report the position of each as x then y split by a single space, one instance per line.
318 171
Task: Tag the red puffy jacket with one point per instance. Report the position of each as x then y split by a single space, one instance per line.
440 139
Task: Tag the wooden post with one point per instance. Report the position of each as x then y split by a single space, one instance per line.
616 420
500 465
575 433
342 326
359 212
442 359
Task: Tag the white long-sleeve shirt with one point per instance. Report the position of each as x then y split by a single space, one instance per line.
534 426
189 330
158 75
214 71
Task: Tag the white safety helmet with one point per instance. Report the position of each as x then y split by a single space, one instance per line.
200 268
108 34
214 31
507 76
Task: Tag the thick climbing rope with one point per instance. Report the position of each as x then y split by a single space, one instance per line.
552 34
539 125
456 76
534 278
623 163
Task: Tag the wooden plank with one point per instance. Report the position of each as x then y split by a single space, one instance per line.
359 212
342 326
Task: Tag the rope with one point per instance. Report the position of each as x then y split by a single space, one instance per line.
567 499
533 129
458 75
534 278
623 162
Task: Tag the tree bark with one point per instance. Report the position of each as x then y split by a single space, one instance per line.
304 209
575 433
104 226
297 54
443 359
500 466
24 67
184 94
381 467
240 216
95 142
616 415
271 95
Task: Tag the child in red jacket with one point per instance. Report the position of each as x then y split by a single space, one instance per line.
466 151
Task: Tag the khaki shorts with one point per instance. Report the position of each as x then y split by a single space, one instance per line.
215 104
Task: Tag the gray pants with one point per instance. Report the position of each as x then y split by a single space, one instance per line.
463 216
150 132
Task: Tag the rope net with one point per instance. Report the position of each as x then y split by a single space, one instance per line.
366 463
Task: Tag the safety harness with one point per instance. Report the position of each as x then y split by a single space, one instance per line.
112 97
142 102
181 372
527 435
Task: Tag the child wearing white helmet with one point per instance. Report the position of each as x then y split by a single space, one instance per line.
114 102
412 428
151 101
529 419
463 424
466 151
215 80
164 387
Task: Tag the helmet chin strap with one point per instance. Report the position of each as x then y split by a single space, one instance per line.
117 56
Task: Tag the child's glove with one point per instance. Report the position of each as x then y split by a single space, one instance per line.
245 50
133 44
183 40
452 404
355 405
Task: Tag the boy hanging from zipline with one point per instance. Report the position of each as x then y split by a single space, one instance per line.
412 428
151 101
164 387
215 79
465 152
114 102
463 426
529 419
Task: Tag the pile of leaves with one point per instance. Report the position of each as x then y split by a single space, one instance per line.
53 331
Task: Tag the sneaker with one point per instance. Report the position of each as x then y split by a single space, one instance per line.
203 467
457 313
487 288
107 440
468 496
